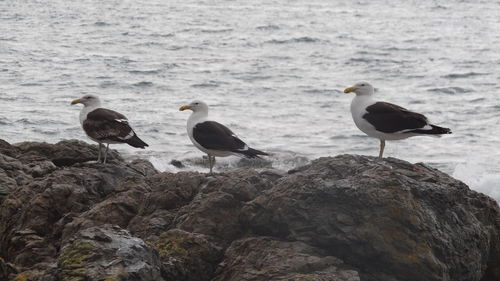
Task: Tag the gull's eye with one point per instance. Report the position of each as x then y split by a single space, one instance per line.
362 85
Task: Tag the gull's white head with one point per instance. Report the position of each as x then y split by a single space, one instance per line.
360 89
195 106
88 100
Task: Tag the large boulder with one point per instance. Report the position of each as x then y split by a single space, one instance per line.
390 219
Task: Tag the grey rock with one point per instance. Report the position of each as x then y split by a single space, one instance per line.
215 210
107 252
265 258
12 174
7 270
63 153
187 256
390 219
7 149
177 164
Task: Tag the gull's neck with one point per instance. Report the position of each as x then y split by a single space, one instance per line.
359 102
196 117
363 97
87 109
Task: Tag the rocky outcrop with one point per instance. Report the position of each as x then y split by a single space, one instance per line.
339 218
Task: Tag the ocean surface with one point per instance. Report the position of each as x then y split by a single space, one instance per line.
273 71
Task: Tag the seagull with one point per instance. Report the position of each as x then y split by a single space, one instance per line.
105 126
214 138
387 121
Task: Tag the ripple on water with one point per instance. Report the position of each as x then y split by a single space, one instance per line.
149 44
373 60
143 84
26 121
464 75
253 78
304 39
162 35
224 30
107 84
101 23
477 100
450 90
268 27
23 99
321 91
4 121
145 72
30 84
209 84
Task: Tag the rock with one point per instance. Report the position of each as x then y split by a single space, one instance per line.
265 258
118 206
338 218
168 192
177 164
187 256
390 219
7 184
7 270
42 168
11 173
7 149
143 167
215 211
63 153
43 211
52 201
107 253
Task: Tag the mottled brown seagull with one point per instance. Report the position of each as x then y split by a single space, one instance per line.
387 121
105 126
214 138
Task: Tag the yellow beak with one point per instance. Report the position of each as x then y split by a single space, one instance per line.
76 101
184 107
350 90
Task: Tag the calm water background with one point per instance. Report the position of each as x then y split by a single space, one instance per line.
273 71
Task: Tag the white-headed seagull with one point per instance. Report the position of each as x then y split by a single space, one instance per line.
214 138
105 126
386 121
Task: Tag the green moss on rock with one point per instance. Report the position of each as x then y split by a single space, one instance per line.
72 261
21 277
170 245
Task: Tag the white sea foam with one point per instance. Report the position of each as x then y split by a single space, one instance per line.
474 174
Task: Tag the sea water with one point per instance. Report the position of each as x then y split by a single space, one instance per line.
272 71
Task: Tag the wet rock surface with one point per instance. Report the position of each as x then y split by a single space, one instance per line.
339 218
